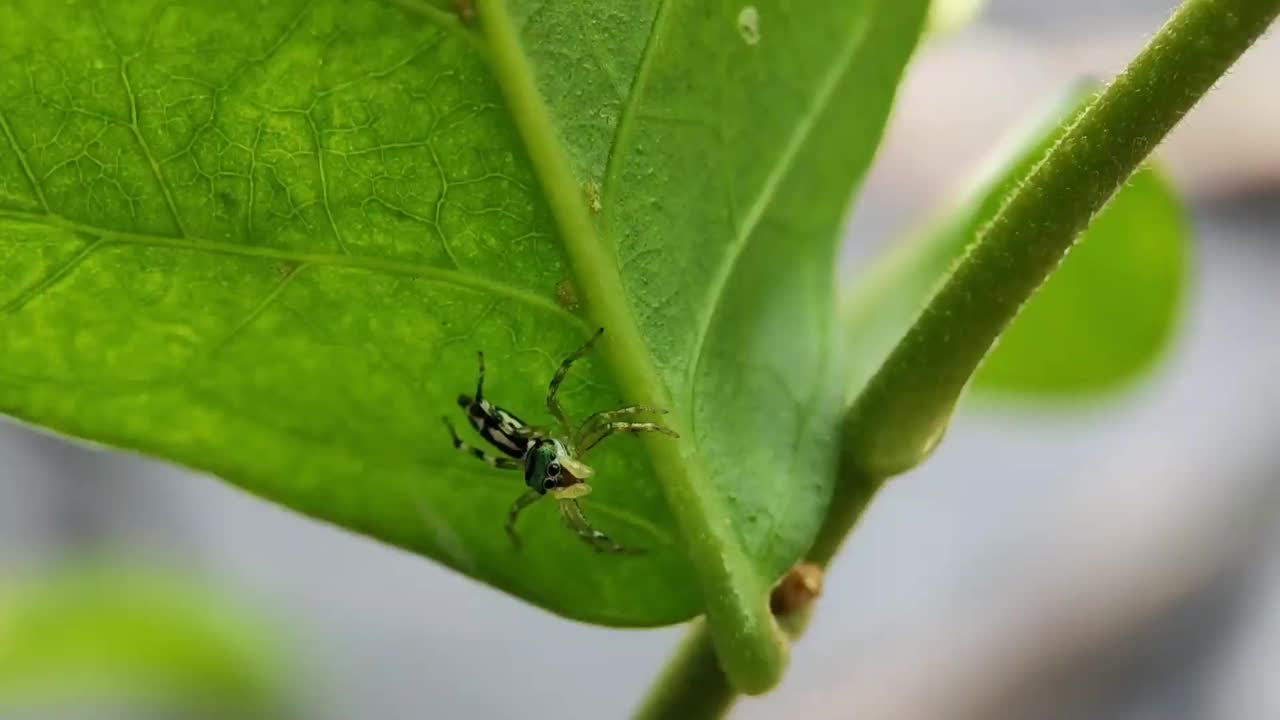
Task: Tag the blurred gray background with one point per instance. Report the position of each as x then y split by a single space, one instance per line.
1114 561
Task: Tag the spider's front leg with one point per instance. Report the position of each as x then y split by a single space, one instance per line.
590 437
522 502
592 423
571 512
553 404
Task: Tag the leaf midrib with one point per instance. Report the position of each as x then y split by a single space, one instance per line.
752 648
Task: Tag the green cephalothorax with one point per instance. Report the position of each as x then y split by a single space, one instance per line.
544 466
551 461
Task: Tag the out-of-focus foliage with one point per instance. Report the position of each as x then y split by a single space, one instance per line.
948 16
116 635
1101 321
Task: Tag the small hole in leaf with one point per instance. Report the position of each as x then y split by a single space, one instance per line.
749 24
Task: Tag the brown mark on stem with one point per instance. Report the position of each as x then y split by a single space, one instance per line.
797 590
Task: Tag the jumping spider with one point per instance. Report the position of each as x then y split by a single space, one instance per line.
551 461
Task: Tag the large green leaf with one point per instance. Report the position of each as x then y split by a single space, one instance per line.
267 240
1103 319
115 634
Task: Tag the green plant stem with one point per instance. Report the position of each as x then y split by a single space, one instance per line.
692 685
899 417
903 411
750 644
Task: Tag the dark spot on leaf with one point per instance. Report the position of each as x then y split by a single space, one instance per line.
226 201
465 10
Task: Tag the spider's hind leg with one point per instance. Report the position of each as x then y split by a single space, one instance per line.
480 377
466 401
503 463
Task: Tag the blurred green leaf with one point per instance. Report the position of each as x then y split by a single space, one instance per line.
1107 316
948 16
1099 322
110 634
266 240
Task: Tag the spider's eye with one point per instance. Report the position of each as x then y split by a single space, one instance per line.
553 469
549 484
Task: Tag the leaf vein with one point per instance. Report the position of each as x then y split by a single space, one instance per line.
627 117
324 183
52 278
354 262
795 143
146 147
22 160
260 308
443 18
